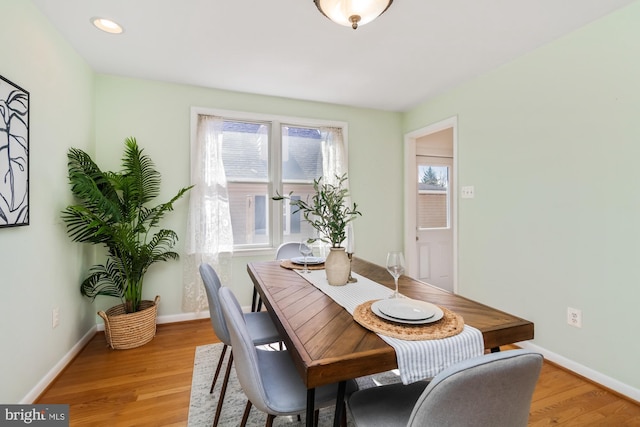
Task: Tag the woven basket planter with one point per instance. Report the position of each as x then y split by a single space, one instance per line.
129 330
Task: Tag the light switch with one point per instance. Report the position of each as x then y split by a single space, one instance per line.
467 192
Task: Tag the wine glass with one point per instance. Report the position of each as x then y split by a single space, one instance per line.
395 267
305 250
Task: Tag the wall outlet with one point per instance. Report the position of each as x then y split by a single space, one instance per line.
55 317
574 317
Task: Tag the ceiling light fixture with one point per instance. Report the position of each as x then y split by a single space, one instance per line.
352 13
107 25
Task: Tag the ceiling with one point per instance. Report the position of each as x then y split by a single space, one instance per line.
414 51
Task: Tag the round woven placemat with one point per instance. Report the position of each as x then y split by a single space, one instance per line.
451 324
286 263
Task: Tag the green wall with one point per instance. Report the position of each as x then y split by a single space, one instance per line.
551 143
40 268
158 115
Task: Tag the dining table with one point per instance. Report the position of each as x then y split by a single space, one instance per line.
328 346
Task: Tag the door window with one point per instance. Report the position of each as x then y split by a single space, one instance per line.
433 199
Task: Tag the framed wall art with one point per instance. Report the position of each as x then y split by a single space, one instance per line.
14 154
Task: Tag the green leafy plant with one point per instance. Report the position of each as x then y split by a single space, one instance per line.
326 210
112 211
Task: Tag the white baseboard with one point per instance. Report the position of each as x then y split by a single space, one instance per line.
59 367
595 376
183 317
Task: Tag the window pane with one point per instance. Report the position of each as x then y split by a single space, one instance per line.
249 213
301 164
260 215
294 220
245 151
301 154
294 227
433 196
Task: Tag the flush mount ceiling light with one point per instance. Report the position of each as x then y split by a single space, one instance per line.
352 13
106 25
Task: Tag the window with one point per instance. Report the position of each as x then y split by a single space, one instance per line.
262 155
245 156
301 165
433 196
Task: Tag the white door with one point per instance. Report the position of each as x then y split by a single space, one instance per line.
434 220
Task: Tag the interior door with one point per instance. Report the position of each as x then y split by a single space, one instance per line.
434 220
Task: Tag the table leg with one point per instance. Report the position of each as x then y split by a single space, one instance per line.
495 350
311 402
342 387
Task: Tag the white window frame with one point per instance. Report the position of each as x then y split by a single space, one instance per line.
274 210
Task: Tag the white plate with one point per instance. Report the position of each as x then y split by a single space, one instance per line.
437 316
406 309
311 260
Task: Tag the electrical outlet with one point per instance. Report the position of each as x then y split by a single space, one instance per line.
55 317
574 317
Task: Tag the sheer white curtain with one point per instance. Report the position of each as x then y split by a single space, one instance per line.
209 232
334 164
334 161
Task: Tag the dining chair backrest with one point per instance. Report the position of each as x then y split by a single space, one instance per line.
244 352
491 390
212 285
288 250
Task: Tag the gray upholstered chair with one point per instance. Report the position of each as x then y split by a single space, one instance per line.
261 329
286 250
493 390
269 378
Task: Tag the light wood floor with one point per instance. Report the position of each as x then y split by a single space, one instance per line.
150 386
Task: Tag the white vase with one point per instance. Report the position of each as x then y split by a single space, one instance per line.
337 267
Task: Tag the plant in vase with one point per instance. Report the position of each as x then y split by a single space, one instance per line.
329 214
112 211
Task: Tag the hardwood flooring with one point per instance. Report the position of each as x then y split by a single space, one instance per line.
150 386
144 386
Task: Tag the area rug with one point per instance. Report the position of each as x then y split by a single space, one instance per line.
202 406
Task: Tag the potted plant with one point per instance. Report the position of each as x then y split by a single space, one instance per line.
327 211
112 212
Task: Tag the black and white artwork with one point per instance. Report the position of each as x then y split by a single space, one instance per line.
14 154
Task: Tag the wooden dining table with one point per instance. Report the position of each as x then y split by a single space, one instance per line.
328 346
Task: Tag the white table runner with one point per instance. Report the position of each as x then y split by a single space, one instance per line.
417 360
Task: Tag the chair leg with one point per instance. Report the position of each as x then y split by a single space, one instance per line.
339 410
223 391
215 377
316 417
269 420
245 415
254 299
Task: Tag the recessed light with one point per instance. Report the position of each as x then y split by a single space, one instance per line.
107 25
